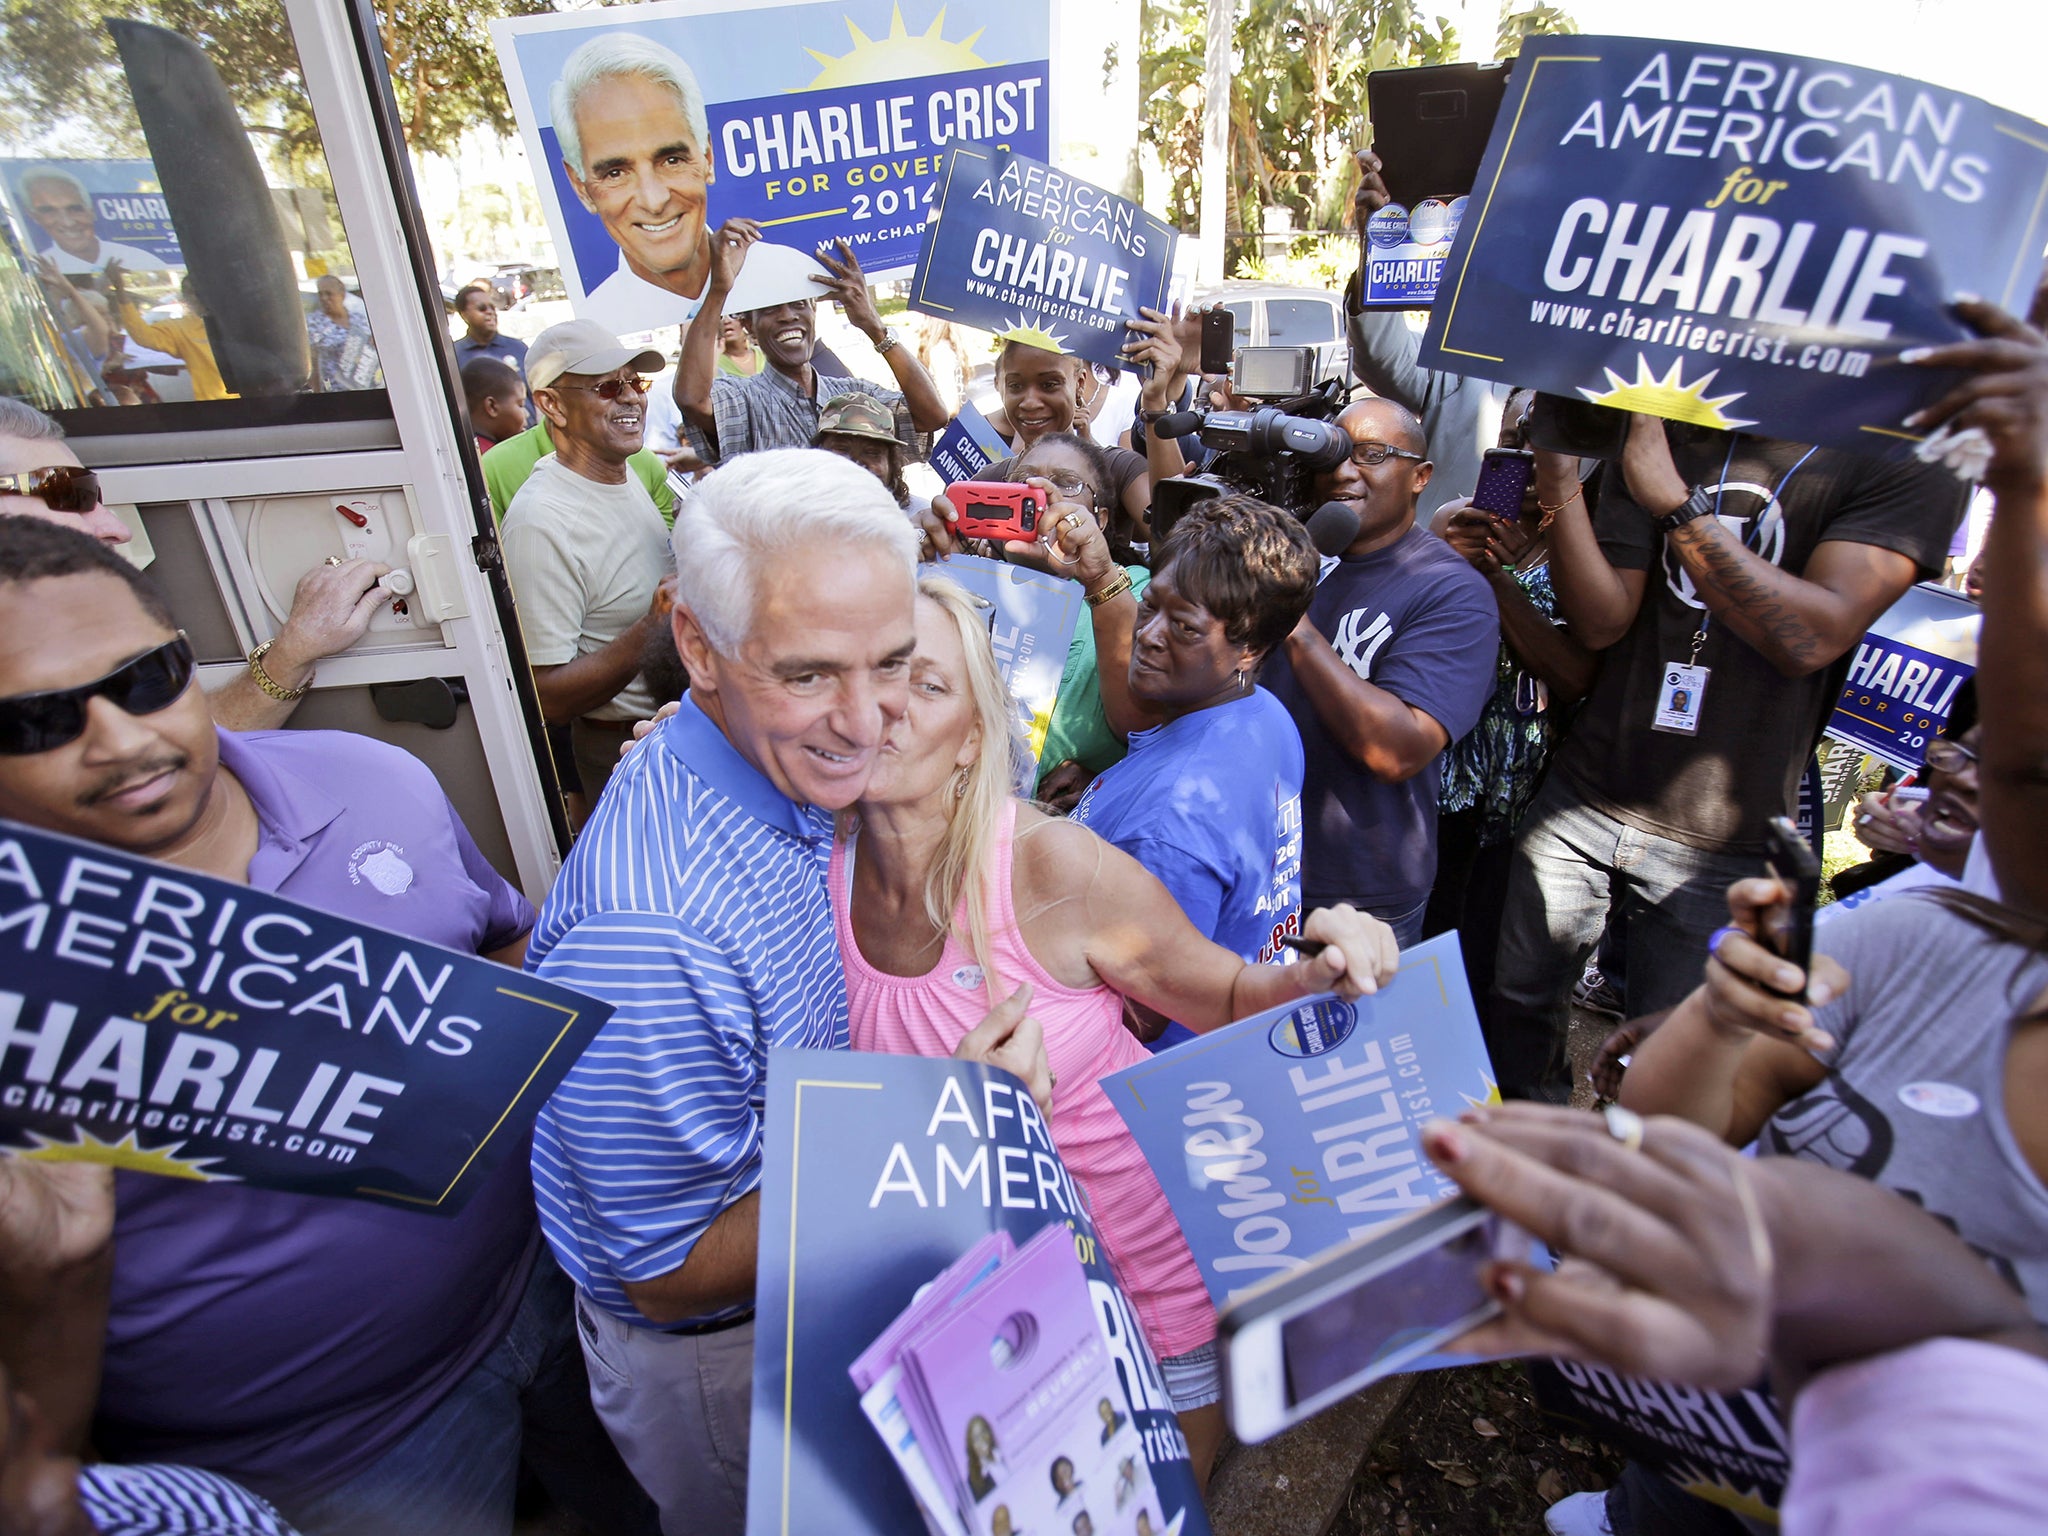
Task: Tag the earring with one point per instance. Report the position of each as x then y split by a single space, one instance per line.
1239 675
960 782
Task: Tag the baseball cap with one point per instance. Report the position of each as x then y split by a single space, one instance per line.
583 346
857 415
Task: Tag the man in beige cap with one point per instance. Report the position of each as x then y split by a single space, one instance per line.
859 427
587 552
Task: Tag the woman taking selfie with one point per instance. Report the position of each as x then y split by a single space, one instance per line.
947 891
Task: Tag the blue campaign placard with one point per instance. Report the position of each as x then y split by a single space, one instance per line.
167 1022
1288 1133
1904 676
1735 238
1035 255
1031 624
825 122
877 1173
126 202
1405 251
967 446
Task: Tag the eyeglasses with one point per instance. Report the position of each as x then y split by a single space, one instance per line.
63 487
611 389
42 722
1067 483
1945 756
1379 453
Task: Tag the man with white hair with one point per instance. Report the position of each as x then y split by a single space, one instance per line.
637 148
695 902
58 201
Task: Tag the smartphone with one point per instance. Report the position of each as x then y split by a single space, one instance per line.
1218 339
1300 1342
1505 475
1580 428
997 509
1792 860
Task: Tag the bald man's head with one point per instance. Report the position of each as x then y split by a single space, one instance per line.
1383 494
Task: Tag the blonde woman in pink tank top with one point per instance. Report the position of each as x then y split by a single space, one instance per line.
949 895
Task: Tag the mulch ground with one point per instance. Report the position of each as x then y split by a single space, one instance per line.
1470 1454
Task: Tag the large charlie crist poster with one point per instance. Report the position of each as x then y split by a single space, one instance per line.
650 125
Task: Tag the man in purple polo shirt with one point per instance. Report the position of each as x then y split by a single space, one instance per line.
368 1370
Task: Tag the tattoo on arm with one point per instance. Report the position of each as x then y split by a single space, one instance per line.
1749 594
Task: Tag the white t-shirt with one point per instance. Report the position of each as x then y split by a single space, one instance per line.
584 559
132 257
664 416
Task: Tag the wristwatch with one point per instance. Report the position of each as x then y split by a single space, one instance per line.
1698 504
889 342
269 684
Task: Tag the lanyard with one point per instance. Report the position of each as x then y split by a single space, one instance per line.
1699 638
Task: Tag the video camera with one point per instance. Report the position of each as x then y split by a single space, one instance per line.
1273 451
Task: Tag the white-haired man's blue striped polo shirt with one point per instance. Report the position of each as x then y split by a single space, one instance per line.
694 902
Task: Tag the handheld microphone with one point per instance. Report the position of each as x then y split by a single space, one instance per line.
1178 423
1332 527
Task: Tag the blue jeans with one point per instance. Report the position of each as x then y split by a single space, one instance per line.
1402 915
457 1472
1573 870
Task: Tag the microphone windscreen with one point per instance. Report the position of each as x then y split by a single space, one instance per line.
1332 527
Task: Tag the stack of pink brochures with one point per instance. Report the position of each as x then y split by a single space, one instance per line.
996 1394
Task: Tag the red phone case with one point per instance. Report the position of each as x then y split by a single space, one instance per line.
997 509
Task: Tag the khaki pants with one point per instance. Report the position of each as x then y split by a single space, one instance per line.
676 1406
596 744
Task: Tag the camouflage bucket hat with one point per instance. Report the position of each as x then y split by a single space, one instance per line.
858 416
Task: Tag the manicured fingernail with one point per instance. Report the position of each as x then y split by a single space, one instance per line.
1446 1142
1915 354
1791 1018
1966 298
1508 1286
1915 419
1820 1040
1785 979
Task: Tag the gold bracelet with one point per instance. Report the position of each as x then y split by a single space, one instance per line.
1550 513
1114 590
269 684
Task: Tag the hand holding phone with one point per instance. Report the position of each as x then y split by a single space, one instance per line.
1003 510
1793 864
1752 988
1505 475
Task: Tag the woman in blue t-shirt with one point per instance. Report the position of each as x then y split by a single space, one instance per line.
1209 797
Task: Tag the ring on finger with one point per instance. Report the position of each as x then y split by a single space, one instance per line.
332 560
1714 939
1073 520
1625 1126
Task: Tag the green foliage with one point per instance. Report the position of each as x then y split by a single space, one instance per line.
58 67
1297 105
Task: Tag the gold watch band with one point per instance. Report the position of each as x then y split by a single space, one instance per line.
269 684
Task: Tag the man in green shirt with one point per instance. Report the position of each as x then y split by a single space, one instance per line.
507 466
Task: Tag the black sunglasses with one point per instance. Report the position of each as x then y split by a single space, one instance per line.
43 722
62 487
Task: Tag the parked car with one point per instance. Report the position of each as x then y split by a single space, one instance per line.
516 283
1281 315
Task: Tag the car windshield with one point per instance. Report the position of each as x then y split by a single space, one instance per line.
1300 322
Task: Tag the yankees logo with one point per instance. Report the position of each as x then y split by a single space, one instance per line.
1359 642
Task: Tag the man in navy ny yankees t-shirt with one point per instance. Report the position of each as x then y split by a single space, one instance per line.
1394 662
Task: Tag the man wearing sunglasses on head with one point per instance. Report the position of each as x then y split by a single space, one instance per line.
586 550
1394 662
365 1369
41 477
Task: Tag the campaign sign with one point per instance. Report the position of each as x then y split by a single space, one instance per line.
85 213
167 1022
1897 694
1038 256
967 446
821 121
1288 1133
877 1173
1031 625
1405 250
1735 238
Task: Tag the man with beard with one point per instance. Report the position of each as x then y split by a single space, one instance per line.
584 545
777 406
365 1368
1394 662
